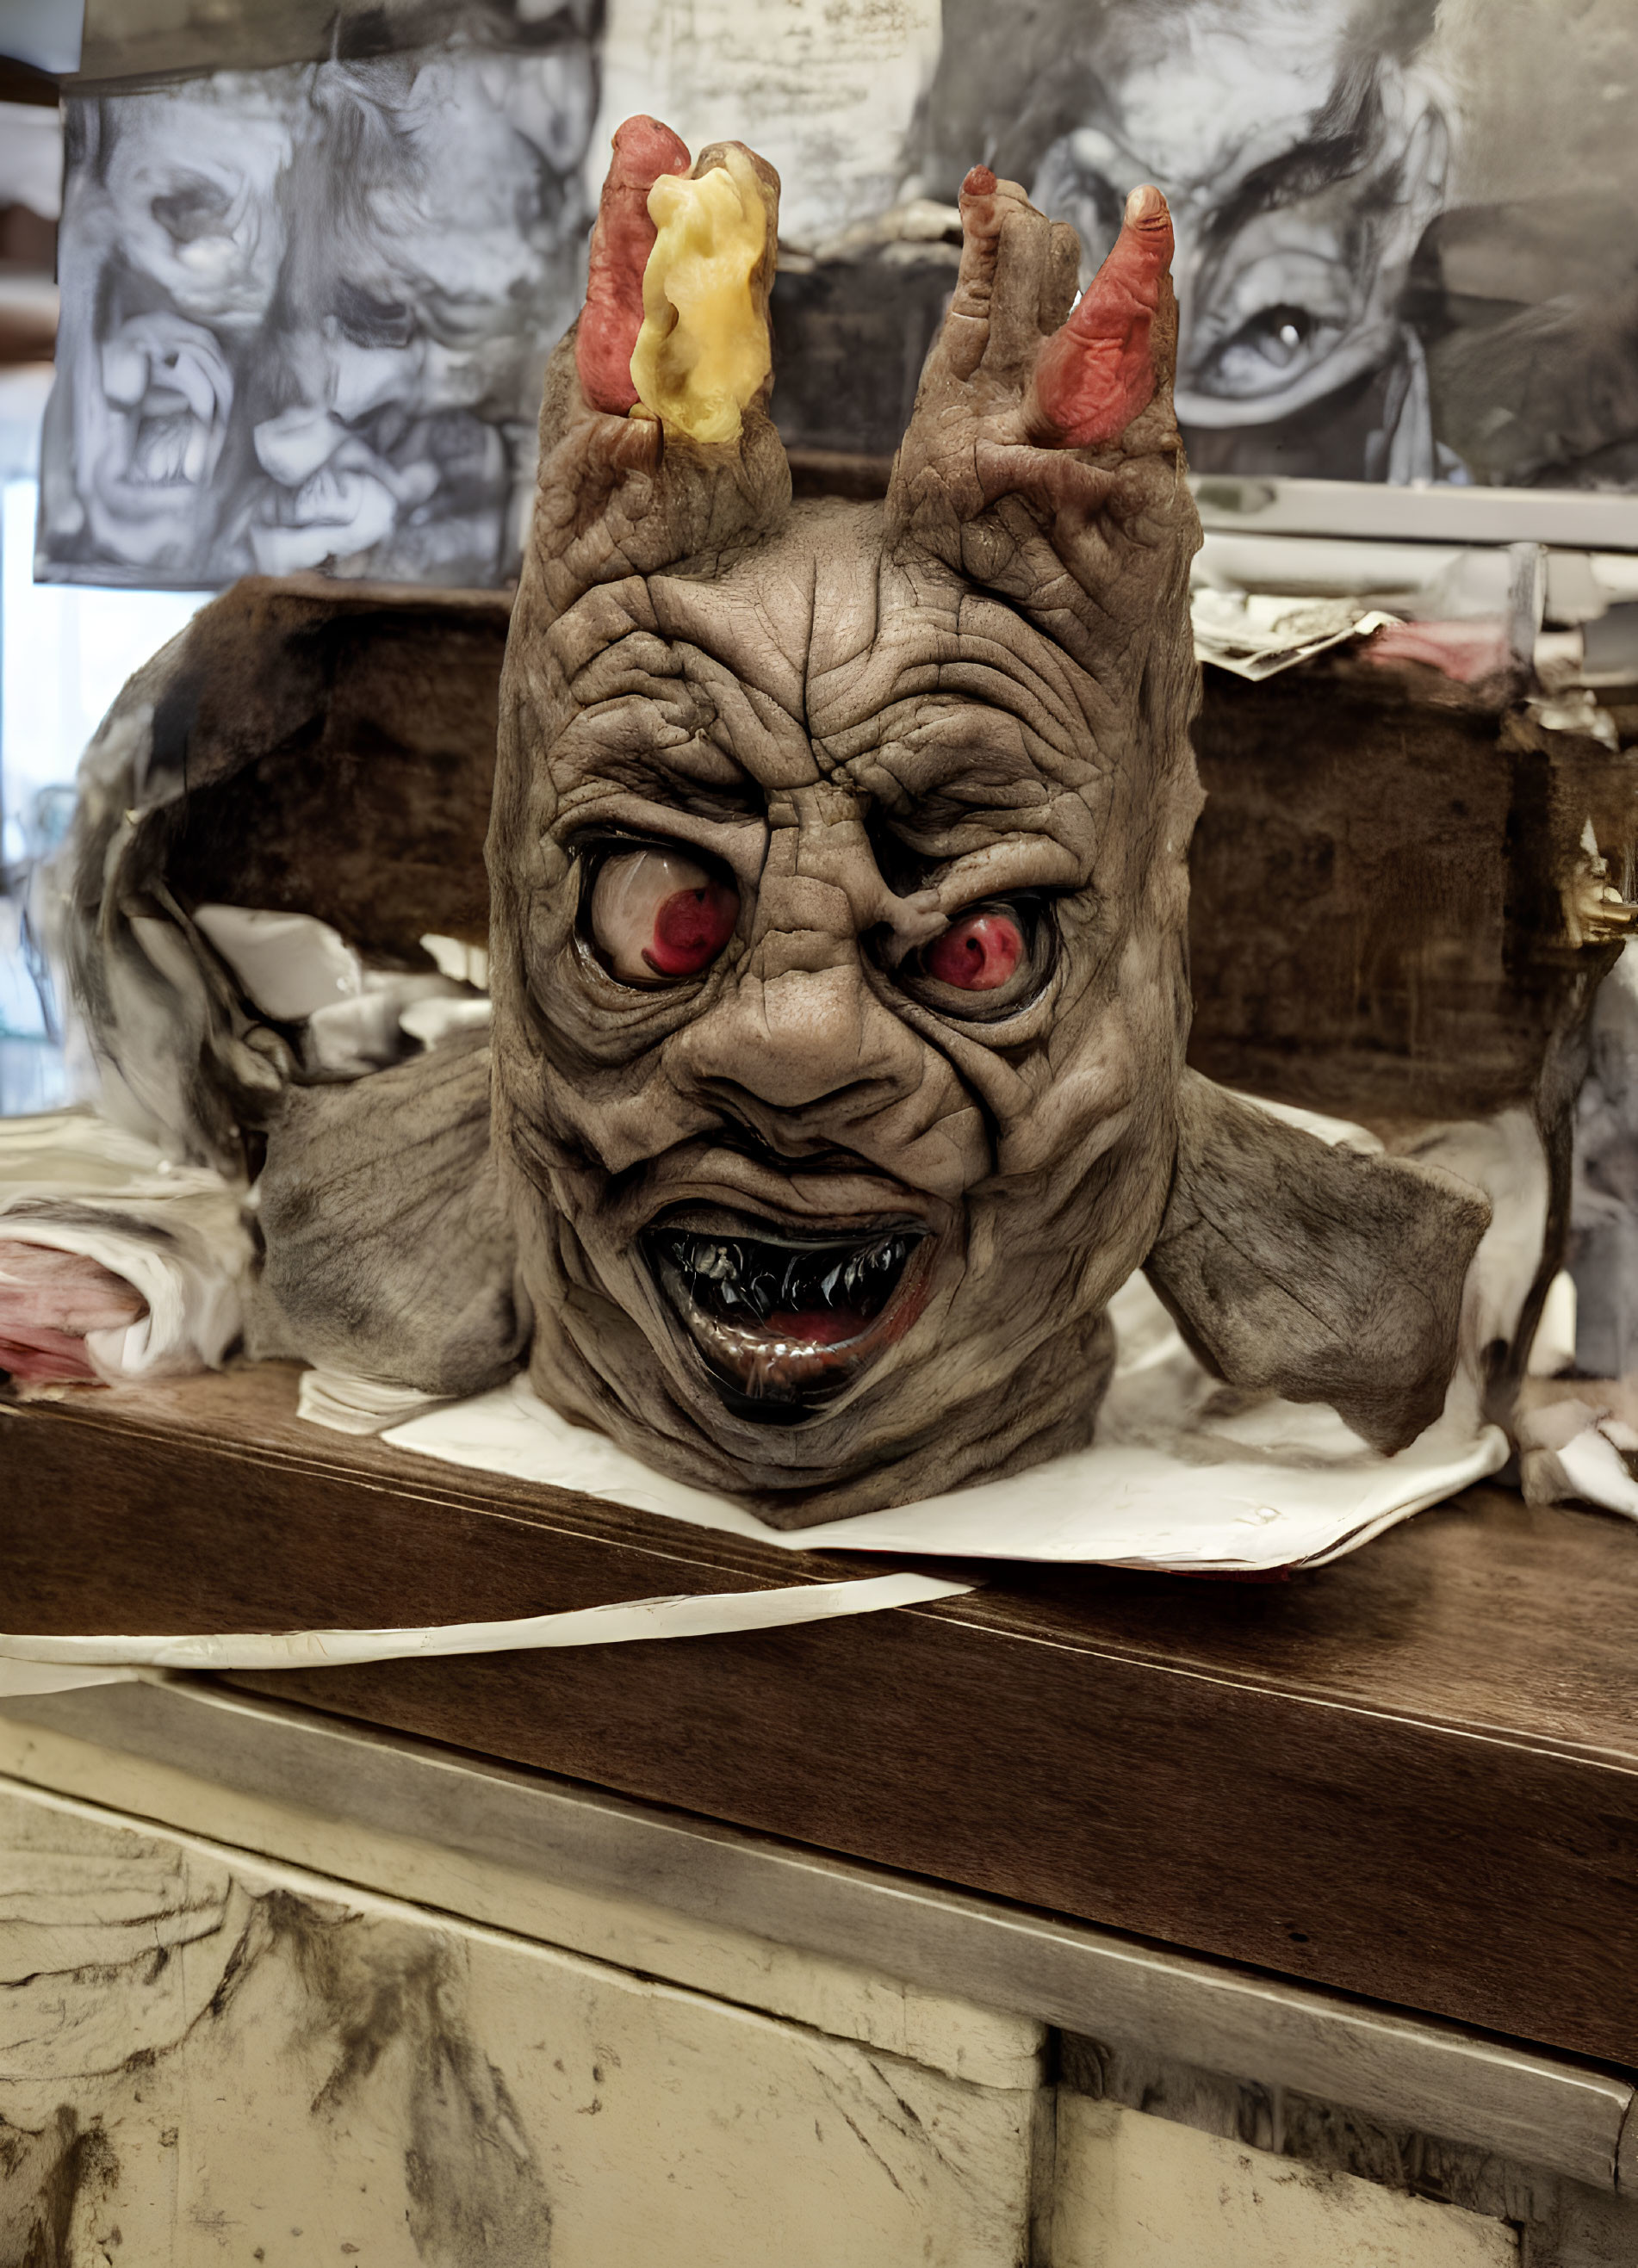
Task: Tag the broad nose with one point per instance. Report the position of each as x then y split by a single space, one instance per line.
293 447
800 1048
802 1031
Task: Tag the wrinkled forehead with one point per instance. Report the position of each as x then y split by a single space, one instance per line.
1199 98
816 656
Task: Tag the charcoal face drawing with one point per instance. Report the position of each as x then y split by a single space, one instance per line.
305 309
1365 293
305 317
1305 153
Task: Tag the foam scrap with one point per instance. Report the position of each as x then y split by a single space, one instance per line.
703 352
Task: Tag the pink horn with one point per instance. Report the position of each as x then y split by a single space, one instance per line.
621 243
1097 372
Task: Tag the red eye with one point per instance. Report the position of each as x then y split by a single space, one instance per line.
660 913
979 952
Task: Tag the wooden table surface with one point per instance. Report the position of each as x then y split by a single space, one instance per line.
1413 1775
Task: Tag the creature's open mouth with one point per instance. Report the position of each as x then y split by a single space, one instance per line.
785 1321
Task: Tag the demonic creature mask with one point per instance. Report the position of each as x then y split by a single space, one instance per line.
838 867
838 883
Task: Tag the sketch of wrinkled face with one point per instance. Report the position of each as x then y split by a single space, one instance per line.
192 176
1301 172
189 241
1303 150
435 256
307 310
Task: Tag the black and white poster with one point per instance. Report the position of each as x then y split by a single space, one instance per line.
306 306
305 313
1406 228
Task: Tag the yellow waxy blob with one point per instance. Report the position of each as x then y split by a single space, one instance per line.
703 350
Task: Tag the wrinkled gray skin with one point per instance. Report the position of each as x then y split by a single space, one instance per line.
872 719
388 1253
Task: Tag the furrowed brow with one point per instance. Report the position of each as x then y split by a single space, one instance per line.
956 783
1345 136
660 748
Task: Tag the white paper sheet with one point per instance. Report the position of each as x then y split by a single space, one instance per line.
343 1403
1596 1470
1172 1482
292 965
22 1677
300 970
1256 635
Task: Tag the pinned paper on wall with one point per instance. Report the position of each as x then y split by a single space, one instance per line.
307 303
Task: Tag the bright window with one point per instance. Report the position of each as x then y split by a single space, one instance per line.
64 654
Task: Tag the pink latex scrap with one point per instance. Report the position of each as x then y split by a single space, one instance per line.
1097 372
1464 651
622 240
50 1301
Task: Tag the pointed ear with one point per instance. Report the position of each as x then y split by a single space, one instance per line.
655 440
1296 1269
1042 458
407 1275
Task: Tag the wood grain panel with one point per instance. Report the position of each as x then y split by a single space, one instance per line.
1413 1775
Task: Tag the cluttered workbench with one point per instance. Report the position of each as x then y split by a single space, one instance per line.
1118 1871
1114 1872
823 1439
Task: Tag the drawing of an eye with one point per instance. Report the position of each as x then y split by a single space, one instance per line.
658 916
193 209
993 958
1269 350
369 321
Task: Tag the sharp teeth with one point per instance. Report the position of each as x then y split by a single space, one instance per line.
748 1283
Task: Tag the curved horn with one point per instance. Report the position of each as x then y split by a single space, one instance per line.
680 267
1043 464
1104 363
622 240
704 354
656 450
